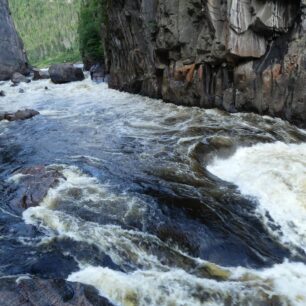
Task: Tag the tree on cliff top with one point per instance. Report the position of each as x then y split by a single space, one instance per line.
91 18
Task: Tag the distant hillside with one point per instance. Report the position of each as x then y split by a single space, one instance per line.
48 29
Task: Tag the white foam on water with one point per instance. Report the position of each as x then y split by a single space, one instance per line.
275 176
16 178
21 278
153 287
123 246
86 192
154 282
287 280
83 191
284 283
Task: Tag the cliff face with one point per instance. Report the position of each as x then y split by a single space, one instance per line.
12 55
239 55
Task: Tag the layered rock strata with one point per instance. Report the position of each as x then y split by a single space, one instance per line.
238 55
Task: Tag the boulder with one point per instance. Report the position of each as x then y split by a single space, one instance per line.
12 54
19 115
65 73
2 93
34 291
19 78
32 186
40 74
97 73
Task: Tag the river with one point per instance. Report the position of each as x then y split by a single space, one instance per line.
159 204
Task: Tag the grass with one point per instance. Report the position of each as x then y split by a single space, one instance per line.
65 57
49 29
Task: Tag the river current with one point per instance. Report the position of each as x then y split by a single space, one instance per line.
160 204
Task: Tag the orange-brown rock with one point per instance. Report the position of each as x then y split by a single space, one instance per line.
235 55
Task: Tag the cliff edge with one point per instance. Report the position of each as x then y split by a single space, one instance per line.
12 54
238 55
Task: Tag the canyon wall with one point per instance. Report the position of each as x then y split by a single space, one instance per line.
238 55
12 55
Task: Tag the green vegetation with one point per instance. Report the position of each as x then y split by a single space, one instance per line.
62 57
91 19
48 29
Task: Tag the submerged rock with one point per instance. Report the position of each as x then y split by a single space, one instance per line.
36 292
19 115
32 185
40 75
65 73
19 78
97 73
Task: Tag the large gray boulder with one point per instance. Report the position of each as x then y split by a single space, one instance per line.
12 54
65 73
233 54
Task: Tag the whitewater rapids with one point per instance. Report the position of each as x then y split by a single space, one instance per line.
158 204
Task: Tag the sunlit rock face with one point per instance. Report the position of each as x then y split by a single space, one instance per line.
12 54
237 55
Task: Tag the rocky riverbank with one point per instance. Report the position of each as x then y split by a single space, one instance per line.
235 55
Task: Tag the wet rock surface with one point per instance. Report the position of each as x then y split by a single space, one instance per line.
65 73
36 292
12 54
235 55
40 74
97 73
19 115
32 186
19 78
